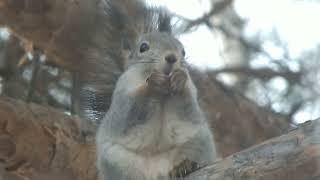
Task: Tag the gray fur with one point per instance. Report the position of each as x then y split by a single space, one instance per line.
146 135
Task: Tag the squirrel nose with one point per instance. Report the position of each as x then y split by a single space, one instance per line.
171 58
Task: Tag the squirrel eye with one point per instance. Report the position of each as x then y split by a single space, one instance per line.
144 47
183 53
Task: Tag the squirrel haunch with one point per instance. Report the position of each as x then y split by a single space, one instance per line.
154 124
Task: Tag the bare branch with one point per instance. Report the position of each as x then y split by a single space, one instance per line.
216 8
261 73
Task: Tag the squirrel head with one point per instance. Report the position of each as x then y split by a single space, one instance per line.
139 34
158 51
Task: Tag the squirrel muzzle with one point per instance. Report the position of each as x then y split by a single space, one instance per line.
171 62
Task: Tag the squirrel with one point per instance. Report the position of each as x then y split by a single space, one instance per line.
154 127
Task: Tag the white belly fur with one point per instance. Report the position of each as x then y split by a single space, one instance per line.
143 167
171 132
151 153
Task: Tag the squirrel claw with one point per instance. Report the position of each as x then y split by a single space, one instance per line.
158 82
178 80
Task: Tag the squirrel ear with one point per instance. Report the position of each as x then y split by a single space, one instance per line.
164 22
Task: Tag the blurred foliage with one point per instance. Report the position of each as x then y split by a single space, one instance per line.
285 84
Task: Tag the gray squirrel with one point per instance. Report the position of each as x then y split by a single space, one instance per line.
154 128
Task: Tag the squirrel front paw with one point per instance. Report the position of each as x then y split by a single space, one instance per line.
158 83
178 81
183 169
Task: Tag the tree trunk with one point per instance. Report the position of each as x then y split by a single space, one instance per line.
40 143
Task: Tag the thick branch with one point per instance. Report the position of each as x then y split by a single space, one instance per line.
294 156
40 143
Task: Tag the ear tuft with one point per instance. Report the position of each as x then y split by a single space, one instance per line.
164 22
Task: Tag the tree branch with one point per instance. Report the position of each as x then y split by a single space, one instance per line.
261 73
293 156
40 143
215 9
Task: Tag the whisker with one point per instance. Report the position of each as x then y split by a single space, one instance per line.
144 62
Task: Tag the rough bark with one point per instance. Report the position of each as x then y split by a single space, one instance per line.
60 27
293 156
39 143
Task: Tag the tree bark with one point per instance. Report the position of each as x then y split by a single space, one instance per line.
293 156
39 143
63 27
